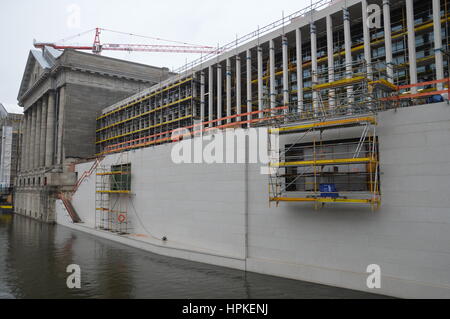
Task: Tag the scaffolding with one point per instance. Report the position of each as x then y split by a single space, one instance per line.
311 168
113 196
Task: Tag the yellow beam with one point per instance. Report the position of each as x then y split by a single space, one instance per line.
324 200
369 119
146 113
144 98
385 83
6 207
325 162
145 129
339 83
113 173
114 192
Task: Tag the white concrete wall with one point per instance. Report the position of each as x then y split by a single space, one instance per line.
203 208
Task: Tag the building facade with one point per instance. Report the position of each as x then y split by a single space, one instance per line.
62 93
9 153
361 179
401 42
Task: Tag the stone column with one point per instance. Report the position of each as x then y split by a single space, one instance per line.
411 44
50 137
238 88
330 53
202 98
43 131
388 40
285 73
28 131
366 35
272 74
210 95
37 148
219 93
23 163
32 147
260 81
228 88
62 98
437 28
348 53
314 67
298 53
249 85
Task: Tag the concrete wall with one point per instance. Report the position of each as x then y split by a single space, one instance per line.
220 210
80 116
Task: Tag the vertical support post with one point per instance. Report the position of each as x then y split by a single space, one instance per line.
219 93
33 136
37 147
228 83
43 131
202 98
194 95
298 51
260 83
285 73
348 53
314 67
210 95
438 43
50 137
25 138
62 102
388 40
366 35
272 73
238 88
411 44
330 53
249 85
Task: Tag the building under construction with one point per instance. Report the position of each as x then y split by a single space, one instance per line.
357 122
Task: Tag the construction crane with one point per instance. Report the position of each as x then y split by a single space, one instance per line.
97 47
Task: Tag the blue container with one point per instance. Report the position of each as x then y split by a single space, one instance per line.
328 191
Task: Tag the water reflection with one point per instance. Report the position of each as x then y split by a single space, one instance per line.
34 257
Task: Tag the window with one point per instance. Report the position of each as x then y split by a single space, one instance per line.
346 178
121 177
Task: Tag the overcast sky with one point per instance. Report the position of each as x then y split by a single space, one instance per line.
206 22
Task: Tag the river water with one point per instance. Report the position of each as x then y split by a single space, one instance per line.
34 257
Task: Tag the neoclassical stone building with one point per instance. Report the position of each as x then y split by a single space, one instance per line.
62 92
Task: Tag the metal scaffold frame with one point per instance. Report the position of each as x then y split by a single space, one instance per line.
318 165
346 102
112 200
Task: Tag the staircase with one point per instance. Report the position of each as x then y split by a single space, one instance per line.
69 207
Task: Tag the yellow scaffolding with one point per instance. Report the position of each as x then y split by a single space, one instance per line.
113 190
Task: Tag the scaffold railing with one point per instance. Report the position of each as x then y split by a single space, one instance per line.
113 191
313 169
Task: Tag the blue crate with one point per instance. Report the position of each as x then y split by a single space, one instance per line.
328 191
